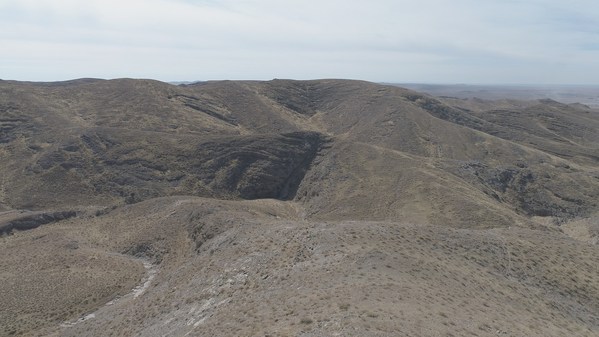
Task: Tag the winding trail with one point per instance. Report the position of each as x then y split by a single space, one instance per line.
151 271
150 274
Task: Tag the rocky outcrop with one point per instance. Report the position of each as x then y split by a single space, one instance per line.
136 167
259 168
31 221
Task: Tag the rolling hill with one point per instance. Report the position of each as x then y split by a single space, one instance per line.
294 208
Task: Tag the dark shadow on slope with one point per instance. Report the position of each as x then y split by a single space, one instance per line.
258 167
133 166
33 220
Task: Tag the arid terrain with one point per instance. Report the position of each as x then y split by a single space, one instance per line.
583 94
294 208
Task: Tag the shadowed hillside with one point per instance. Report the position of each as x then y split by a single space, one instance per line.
102 142
294 208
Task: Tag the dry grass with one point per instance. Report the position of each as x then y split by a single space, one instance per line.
412 215
262 274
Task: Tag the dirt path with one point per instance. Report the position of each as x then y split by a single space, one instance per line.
151 271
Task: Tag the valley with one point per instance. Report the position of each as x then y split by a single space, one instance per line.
294 208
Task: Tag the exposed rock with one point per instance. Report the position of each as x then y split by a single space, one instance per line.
31 221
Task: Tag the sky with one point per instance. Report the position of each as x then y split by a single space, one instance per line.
424 41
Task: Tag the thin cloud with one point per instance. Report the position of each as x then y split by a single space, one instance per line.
426 41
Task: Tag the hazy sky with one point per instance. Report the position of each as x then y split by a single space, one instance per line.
434 41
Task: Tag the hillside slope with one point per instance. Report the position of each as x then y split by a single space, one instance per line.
294 208
93 142
254 268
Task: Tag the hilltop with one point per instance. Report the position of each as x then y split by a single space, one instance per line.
300 208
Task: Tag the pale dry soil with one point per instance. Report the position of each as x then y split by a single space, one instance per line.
398 213
256 268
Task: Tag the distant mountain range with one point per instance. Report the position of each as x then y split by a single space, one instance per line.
584 94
